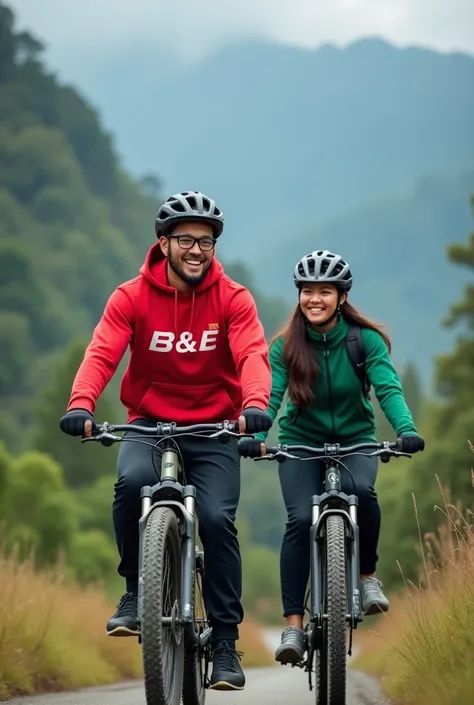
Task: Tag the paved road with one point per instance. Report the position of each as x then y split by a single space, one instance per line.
278 685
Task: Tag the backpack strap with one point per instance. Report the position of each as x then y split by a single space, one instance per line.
356 354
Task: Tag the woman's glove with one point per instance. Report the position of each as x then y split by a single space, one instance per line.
250 448
411 443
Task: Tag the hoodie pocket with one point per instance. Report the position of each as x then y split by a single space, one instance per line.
193 403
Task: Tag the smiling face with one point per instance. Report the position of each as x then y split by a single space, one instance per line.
188 261
319 301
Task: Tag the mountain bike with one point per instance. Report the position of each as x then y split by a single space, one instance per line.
175 633
334 592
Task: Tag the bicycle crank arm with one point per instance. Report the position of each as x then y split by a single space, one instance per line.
205 636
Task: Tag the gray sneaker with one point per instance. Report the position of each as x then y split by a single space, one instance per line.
373 599
292 647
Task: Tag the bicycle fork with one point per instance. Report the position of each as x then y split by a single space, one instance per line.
318 521
171 494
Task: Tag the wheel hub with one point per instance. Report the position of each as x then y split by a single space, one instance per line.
176 628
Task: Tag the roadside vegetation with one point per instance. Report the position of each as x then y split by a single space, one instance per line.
423 648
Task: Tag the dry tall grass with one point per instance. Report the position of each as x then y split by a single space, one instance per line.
52 636
423 648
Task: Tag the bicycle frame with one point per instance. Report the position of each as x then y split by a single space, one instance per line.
332 502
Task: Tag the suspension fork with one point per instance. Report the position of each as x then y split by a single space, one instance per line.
317 567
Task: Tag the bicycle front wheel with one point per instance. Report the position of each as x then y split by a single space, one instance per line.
336 600
162 634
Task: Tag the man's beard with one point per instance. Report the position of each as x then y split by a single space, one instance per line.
190 279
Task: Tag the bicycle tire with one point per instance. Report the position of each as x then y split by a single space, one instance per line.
163 646
321 668
196 660
336 609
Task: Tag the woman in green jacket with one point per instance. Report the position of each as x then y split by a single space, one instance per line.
327 404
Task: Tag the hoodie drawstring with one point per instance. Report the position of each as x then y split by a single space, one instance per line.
192 311
175 312
193 299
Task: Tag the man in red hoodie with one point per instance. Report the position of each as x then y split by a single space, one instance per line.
197 354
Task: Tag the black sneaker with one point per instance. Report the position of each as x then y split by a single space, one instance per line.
227 673
125 620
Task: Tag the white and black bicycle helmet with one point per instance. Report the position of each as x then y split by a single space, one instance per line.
323 266
189 205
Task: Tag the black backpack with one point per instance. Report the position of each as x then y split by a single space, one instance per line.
356 354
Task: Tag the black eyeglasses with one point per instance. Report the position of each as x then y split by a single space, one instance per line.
186 242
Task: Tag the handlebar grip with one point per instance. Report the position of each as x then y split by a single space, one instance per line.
271 450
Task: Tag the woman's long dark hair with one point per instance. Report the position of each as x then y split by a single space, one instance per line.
298 351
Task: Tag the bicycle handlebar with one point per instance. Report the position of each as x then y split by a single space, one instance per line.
105 433
283 452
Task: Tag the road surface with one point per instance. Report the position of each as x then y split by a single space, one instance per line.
278 685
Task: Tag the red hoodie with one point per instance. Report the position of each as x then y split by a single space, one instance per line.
194 358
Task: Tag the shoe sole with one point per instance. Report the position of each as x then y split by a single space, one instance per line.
224 685
376 608
288 655
123 631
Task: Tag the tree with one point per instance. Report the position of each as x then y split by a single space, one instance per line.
447 426
92 557
82 463
455 371
412 390
37 510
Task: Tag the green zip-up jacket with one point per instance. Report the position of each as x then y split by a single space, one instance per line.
339 412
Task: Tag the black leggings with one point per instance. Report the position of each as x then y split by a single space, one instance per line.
299 481
214 469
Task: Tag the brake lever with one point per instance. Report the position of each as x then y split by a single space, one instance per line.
225 432
107 439
385 455
281 456
224 435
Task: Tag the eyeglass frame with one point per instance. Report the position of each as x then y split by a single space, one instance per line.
206 238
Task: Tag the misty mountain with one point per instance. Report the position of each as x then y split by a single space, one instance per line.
287 137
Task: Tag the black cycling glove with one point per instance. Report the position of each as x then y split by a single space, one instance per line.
256 420
249 448
73 422
411 443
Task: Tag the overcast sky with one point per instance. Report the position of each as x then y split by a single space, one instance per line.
80 32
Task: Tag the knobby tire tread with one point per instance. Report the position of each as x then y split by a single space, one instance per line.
161 536
321 676
336 609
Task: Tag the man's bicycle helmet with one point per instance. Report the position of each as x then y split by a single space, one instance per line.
189 205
